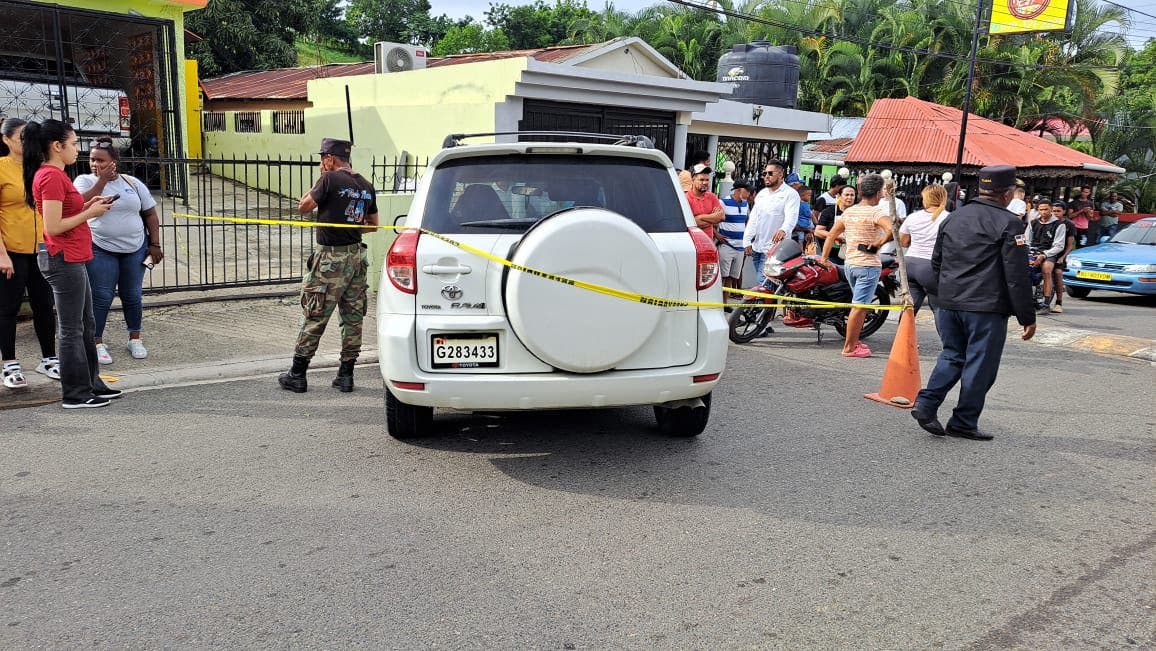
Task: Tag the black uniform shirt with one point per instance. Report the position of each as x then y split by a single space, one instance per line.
981 262
343 197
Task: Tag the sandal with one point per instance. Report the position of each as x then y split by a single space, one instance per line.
49 366
13 377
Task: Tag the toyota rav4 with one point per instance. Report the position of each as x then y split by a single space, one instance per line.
463 331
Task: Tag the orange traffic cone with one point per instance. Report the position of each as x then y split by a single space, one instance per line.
901 380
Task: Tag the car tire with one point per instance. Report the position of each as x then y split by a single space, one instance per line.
683 422
1078 292
404 421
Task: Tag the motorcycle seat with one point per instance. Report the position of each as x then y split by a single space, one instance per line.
889 260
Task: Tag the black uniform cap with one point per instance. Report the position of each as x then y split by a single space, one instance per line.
997 177
335 147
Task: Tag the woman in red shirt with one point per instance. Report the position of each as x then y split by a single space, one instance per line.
48 148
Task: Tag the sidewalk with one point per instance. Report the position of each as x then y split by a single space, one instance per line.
199 342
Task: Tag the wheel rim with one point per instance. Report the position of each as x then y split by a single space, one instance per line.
746 320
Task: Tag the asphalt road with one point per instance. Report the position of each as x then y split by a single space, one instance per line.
235 514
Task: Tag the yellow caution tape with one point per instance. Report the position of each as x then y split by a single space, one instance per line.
784 301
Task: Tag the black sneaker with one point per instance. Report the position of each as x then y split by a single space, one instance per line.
91 403
110 394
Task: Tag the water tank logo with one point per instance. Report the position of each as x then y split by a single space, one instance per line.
736 73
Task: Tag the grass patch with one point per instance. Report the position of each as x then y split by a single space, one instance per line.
312 54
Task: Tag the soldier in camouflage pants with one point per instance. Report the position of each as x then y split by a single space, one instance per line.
346 206
335 278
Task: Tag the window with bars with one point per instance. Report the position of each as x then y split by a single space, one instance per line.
247 122
213 121
289 121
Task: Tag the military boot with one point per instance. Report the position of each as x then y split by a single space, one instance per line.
344 379
295 380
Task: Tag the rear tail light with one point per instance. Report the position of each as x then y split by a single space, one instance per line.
408 386
699 379
401 261
125 115
706 259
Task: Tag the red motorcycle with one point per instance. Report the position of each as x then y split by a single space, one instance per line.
789 273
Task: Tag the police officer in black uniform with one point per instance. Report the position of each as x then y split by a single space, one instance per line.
981 264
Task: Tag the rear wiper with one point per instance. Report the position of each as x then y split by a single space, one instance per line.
512 224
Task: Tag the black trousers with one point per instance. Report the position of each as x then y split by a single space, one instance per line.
26 279
972 349
921 280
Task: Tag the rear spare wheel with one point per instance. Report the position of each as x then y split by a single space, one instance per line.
575 329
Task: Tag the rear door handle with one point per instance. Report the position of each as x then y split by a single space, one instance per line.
445 269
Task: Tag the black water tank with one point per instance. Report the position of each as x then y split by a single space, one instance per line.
762 73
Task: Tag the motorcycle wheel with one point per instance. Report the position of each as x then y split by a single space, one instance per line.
875 318
747 322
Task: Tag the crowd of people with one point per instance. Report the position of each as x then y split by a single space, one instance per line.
70 247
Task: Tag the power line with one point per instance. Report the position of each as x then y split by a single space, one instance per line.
869 43
1135 11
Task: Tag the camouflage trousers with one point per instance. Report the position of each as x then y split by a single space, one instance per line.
334 278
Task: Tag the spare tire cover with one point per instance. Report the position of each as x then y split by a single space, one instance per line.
575 329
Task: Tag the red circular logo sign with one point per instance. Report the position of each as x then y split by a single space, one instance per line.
1027 9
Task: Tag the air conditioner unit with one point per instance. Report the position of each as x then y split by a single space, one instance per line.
398 57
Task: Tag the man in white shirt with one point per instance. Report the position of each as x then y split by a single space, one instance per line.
773 217
900 215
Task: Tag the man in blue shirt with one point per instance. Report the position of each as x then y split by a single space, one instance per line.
729 234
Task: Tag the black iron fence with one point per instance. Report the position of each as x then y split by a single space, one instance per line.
202 254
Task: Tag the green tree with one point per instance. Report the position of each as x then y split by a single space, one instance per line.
471 38
247 34
396 21
539 24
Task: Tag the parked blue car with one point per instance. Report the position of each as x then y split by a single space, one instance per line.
1126 263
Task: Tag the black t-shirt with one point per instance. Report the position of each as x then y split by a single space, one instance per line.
827 220
343 197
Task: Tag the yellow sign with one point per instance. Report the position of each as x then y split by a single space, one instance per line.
1022 16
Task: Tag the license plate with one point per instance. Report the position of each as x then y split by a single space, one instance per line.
473 350
1093 275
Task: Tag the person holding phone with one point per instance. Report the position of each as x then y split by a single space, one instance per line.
48 148
123 240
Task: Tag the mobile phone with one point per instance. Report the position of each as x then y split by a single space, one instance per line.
112 199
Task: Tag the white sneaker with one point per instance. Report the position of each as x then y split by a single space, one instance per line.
137 349
12 376
49 366
102 355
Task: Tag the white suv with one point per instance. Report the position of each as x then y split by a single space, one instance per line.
459 331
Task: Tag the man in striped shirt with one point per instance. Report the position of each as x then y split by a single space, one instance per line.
729 234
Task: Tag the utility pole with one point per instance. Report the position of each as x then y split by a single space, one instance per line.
981 4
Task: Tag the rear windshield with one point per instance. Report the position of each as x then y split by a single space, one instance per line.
467 193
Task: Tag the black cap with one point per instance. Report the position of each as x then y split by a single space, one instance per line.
997 177
740 185
701 169
335 147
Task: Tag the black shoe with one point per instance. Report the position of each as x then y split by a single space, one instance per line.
930 424
344 379
110 394
293 382
91 403
972 434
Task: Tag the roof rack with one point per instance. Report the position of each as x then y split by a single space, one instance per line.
455 139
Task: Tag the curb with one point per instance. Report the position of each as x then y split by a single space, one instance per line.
49 393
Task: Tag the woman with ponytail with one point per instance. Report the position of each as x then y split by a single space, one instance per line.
20 232
918 233
48 148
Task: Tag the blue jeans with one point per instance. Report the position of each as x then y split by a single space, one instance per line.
972 349
758 259
117 273
79 369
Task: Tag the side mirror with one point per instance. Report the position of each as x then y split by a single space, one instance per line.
399 220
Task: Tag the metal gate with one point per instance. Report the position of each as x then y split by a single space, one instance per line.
542 115
105 73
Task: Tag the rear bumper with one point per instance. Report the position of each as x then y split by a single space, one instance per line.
1121 282
528 391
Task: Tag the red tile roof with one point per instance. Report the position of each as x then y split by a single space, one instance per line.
910 130
292 83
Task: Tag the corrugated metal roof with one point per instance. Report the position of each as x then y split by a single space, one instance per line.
910 130
840 128
282 83
292 83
